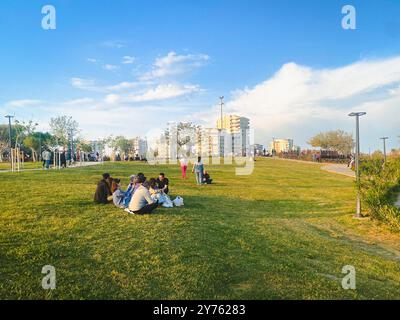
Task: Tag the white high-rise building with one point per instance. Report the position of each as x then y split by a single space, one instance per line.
139 147
281 145
239 128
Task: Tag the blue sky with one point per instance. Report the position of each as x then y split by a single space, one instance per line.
125 67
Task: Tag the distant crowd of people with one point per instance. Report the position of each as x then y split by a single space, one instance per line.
65 158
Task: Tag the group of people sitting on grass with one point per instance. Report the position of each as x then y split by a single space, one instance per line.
141 197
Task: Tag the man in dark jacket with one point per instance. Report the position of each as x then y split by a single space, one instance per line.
103 190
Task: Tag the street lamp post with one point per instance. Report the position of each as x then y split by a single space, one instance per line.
9 136
9 130
357 159
384 148
222 105
221 152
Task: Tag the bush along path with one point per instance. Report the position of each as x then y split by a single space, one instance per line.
380 190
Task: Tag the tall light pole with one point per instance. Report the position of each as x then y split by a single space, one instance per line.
357 159
273 151
222 105
384 148
9 130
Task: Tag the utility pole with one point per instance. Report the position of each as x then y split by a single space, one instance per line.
357 159
384 148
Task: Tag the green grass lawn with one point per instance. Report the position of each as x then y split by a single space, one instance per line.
285 232
26 165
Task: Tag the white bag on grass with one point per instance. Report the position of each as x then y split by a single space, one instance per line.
178 202
167 202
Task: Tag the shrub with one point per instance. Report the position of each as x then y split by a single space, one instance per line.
378 188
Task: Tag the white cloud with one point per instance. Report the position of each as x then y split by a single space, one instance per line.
299 101
22 103
173 64
114 44
160 92
91 85
128 60
122 86
92 60
84 84
110 67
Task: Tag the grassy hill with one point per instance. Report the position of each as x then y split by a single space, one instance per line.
286 231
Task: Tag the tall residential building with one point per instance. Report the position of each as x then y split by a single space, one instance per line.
281 145
139 147
239 128
211 143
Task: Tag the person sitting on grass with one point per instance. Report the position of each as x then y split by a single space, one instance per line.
142 202
156 192
118 194
207 179
103 190
162 183
131 188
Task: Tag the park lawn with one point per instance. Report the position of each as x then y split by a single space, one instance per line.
26 165
284 232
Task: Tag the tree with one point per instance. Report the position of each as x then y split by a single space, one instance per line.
23 129
32 142
120 144
63 127
85 147
336 140
4 143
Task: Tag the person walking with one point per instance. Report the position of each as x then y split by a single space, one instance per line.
46 158
184 164
198 170
63 160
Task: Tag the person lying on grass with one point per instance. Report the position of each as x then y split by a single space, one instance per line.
142 202
103 190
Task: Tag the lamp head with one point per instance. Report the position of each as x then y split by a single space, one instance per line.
354 114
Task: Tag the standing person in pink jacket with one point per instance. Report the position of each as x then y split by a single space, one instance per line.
184 164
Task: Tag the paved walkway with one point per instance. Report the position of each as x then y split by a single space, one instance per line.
397 204
330 167
74 166
342 169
